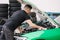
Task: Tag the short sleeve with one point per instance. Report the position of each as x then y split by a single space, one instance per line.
27 17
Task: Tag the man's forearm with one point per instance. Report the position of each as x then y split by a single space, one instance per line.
34 26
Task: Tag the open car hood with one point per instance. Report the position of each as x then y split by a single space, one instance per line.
36 4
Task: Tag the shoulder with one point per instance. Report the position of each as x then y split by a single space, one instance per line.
18 11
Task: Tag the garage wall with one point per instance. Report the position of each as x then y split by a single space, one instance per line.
47 5
4 1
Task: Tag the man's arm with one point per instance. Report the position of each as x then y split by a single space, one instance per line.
34 25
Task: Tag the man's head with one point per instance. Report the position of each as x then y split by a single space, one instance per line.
28 8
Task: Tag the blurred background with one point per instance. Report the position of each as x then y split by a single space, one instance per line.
44 13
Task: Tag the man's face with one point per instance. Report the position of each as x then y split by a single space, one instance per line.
28 10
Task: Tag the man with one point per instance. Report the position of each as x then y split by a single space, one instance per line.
16 19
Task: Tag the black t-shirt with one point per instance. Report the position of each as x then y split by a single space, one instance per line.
16 19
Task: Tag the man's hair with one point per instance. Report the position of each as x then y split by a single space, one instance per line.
29 6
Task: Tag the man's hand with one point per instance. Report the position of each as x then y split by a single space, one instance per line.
42 28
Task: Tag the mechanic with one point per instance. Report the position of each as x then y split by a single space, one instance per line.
16 19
